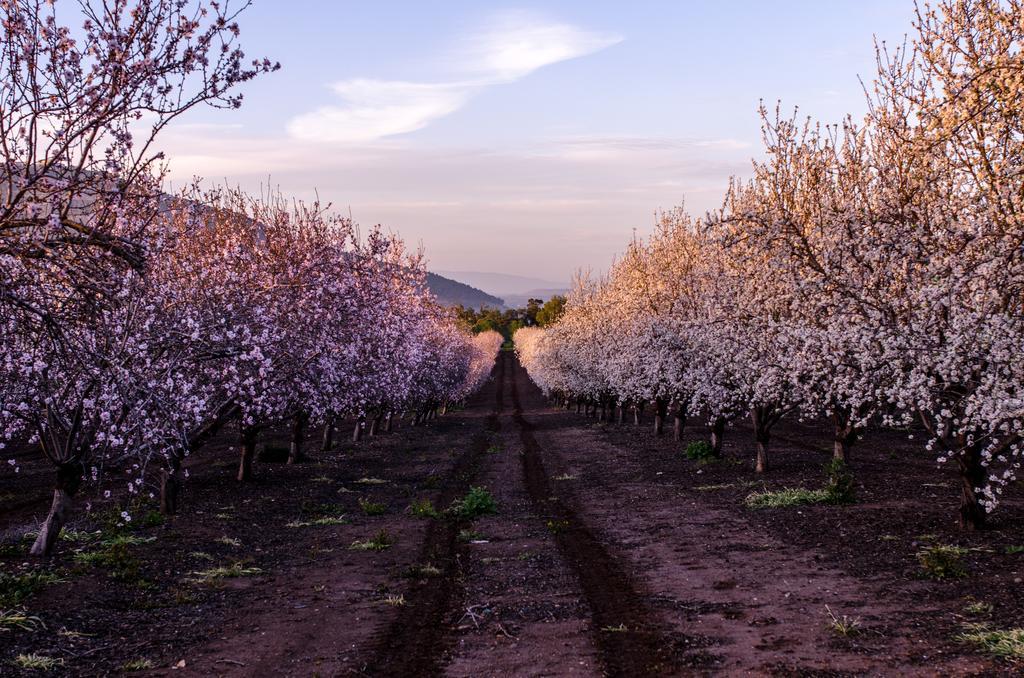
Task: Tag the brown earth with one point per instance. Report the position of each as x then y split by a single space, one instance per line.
611 554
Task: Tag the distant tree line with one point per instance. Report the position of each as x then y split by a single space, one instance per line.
537 313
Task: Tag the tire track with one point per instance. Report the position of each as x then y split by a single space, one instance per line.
417 642
628 636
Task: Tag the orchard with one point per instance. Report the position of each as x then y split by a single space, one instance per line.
241 435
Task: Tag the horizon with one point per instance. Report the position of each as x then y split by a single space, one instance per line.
525 140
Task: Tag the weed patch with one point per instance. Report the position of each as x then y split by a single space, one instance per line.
423 508
372 508
943 562
37 662
14 588
233 571
379 542
1004 643
477 502
790 496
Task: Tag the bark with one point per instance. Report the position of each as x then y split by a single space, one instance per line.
844 435
717 431
170 487
638 409
388 422
622 414
328 439
374 425
69 479
762 434
680 422
248 453
972 478
660 412
295 454
357 432
577 407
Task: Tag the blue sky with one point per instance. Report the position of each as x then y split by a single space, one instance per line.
527 138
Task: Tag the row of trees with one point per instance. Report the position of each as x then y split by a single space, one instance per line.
134 325
867 272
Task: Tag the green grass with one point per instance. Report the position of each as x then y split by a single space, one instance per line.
701 451
137 665
467 536
228 541
37 662
790 496
15 588
1004 643
378 542
372 508
418 571
371 481
233 571
943 562
477 502
11 620
1014 550
978 608
844 626
423 508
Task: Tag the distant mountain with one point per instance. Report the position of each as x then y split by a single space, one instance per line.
451 292
519 300
504 285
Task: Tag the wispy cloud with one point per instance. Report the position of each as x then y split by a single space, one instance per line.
508 48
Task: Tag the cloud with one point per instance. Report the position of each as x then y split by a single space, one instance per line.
517 44
378 108
511 47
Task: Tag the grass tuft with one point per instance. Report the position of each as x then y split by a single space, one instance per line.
37 662
137 665
379 542
11 620
372 508
790 496
233 571
844 626
943 562
423 508
1004 643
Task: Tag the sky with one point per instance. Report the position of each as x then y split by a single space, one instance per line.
525 138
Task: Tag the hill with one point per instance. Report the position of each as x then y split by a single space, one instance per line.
452 292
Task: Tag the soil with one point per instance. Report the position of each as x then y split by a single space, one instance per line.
610 554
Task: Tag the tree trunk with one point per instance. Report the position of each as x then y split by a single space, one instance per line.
170 487
248 454
578 405
622 413
298 434
357 432
763 436
637 411
972 479
328 440
388 422
660 412
374 425
69 479
844 435
679 422
717 432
